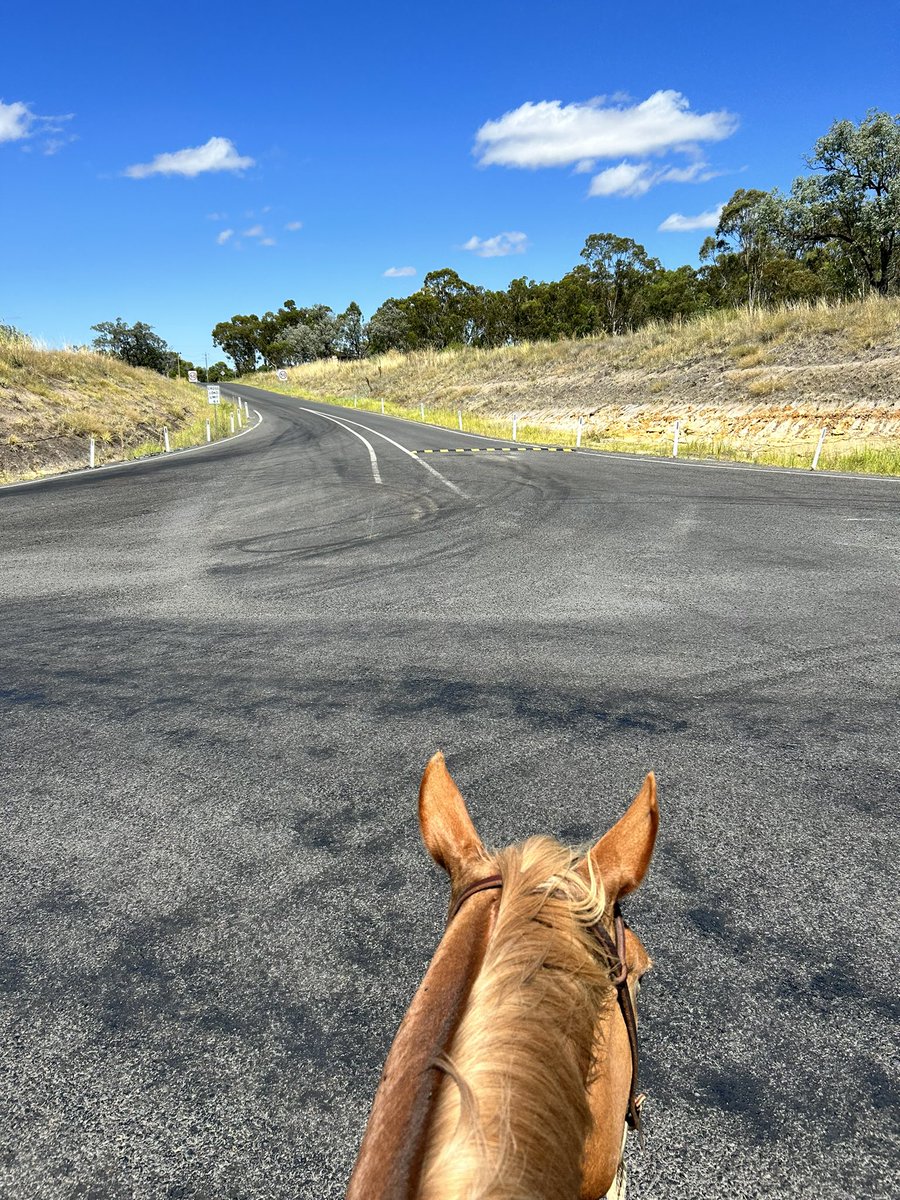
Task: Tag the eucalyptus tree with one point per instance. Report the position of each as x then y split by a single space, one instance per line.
851 202
135 344
619 269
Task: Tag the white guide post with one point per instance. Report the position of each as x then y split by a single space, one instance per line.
240 420
92 453
815 461
166 438
578 432
232 422
459 418
675 442
422 411
208 432
382 407
515 426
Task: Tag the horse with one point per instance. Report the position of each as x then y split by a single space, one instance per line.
513 1075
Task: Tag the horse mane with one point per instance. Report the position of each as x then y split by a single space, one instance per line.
511 1117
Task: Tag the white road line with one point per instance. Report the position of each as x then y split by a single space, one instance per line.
409 453
135 462
372 457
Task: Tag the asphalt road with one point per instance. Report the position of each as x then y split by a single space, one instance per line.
222 674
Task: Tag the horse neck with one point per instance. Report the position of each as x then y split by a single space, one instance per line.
390 1158
511 1117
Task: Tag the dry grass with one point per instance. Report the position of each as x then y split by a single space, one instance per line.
754 386
53 401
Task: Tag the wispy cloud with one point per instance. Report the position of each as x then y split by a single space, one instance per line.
218 154
224 236
636 179
217 216
293 226
551 134
399 272
676 223
19 124
498 246
254 231
267 241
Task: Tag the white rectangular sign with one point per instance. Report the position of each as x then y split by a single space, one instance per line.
212 393
192 376
281 374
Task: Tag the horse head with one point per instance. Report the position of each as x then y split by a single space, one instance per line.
514 1071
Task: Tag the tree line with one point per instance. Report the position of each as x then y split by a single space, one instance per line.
834 236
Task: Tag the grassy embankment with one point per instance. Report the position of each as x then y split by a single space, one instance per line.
752 387
53 401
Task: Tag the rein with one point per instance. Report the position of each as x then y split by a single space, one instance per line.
615 950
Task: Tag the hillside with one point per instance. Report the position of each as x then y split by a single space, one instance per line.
743 385
53 401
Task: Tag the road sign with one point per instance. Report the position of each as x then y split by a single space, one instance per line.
282 375
212 393
192 376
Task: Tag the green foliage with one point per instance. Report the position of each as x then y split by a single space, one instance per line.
240 339
620 268
852 201
137 345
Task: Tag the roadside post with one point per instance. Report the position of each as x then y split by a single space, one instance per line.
578 432
815 461
208 431
515 427
675 442
166 438
382 406
232 422
422 411
92 453
459 418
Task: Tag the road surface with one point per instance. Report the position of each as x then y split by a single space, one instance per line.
222 675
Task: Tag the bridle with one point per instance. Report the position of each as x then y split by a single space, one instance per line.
615 951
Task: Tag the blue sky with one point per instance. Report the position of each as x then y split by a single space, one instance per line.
339 142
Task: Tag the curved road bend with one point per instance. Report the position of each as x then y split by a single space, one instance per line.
221 677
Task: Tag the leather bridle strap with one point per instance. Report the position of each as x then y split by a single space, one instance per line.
480 885
616 951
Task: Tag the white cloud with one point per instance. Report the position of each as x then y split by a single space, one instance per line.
267 241
224 236
635 179
551 134
293 226
498 246
217 216
627 179
676 223
399 272
218 154
16 121
254 231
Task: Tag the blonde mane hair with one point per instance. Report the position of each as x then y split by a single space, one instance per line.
512 1115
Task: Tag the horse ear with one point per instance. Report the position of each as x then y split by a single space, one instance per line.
622 855
447 830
